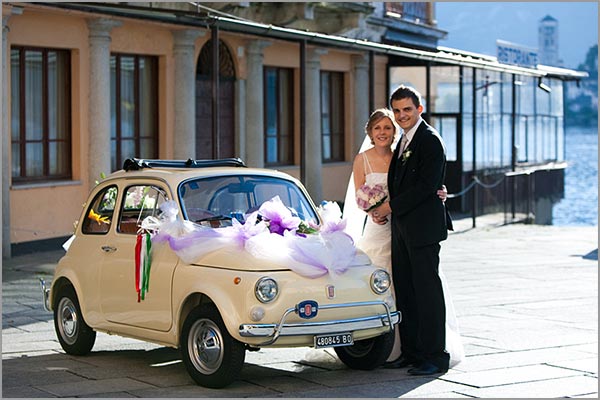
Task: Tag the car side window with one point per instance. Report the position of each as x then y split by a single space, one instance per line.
139 202
98 217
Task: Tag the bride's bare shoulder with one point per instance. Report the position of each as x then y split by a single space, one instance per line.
358 165
367 153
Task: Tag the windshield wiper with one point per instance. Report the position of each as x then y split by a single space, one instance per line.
214 218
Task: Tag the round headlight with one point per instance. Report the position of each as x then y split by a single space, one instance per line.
266 290
380 281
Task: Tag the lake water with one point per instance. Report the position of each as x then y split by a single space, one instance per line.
580 205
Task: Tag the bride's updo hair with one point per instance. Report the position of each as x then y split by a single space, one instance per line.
376 116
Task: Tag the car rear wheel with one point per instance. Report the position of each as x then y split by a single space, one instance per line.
74 335
367 354
211 356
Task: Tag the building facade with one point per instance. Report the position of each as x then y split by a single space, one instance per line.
280 85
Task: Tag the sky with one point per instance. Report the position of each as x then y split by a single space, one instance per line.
475 26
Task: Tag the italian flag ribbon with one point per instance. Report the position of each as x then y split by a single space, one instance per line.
143 246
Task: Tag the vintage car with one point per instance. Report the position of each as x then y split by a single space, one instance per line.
215 258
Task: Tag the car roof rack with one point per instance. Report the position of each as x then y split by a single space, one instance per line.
136 164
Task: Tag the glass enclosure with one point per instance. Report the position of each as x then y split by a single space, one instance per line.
500 113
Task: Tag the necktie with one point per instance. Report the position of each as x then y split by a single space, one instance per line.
402 145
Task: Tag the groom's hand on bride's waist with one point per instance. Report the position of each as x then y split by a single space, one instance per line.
380 221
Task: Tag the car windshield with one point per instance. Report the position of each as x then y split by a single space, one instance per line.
222 198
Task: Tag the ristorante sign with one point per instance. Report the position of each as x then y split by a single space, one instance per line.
514 54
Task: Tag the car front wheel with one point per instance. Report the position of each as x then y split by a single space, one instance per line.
367 354
211 356
74 335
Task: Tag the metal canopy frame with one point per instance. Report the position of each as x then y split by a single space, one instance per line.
207 20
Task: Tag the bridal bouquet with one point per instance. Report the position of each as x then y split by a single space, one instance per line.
370 197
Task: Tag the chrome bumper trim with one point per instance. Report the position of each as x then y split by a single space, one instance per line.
45 295
274 331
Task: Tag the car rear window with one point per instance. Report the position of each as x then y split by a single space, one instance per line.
99 215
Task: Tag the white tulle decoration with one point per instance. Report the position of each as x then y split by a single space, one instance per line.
274 238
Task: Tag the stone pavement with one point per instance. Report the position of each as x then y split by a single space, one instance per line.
526 298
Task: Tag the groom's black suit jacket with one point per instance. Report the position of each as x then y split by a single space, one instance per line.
419 223
418 214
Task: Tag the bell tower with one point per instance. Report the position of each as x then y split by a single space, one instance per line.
548 42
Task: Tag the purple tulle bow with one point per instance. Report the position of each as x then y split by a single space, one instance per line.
280 217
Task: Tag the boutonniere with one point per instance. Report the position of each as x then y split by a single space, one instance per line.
405 155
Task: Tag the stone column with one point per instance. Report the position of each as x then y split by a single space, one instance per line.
184 130
255 138
99 98
360 81
314 148
240 118
5 153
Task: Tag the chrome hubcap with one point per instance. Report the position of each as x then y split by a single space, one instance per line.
67 320
205 345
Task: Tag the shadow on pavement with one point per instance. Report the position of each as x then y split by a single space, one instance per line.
592 255
159 372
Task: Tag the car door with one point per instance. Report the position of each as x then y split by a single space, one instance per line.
90 248
119 298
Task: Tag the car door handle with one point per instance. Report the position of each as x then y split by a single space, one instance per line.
109 249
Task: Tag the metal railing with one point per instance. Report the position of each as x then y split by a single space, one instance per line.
512 193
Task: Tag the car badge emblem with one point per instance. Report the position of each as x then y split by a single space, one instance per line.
308 309
330 291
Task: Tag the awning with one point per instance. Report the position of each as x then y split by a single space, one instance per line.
206 20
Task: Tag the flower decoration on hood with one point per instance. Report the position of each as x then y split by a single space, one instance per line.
278 216
273 233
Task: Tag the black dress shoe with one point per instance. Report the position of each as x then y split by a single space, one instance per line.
426 368
401 362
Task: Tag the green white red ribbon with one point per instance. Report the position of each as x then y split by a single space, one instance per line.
143 260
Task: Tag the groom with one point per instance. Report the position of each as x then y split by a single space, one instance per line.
419 223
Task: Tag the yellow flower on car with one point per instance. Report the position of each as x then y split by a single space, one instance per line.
98 218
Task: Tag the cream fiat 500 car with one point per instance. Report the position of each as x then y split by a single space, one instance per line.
215 259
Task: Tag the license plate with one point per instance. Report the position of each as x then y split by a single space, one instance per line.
337 339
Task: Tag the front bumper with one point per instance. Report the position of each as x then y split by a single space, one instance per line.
274 331
45 295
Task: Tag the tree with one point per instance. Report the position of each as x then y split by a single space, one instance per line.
582 99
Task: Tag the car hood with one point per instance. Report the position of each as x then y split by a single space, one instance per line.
241 260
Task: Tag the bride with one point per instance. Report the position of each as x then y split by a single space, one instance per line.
371 168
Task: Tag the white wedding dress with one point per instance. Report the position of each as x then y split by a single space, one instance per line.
376 241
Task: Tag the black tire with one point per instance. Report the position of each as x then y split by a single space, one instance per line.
211 356
367 354
74 335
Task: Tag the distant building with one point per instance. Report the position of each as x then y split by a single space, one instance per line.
280 85
548 42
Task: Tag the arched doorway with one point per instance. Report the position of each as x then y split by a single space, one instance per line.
205 145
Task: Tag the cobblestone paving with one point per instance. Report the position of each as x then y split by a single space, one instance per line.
526 298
